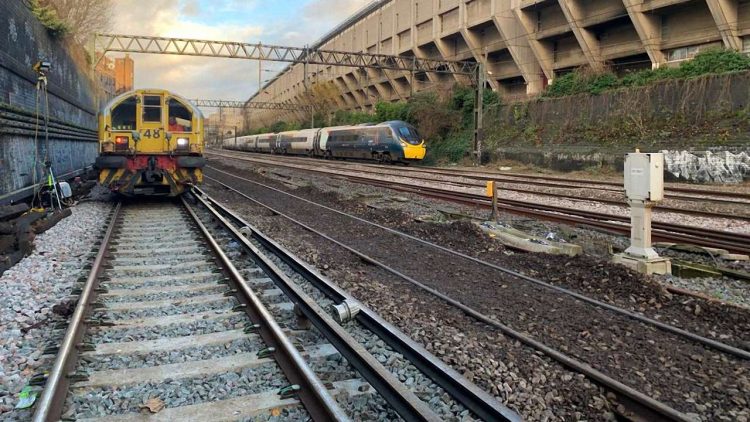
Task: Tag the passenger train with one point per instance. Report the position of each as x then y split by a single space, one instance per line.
388 142
150 143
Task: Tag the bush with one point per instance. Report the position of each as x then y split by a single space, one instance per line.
48 17
385 111
584 81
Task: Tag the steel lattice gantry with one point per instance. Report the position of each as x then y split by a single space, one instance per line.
103 43
249 105
239 50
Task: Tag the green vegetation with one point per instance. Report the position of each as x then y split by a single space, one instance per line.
713 61
48 17
444 121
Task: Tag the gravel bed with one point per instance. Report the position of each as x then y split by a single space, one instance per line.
705 259
196 268
223 303
127 333
109 362
32 288
584 274
150 283
147 260
175 392
725 289
213 290
285 414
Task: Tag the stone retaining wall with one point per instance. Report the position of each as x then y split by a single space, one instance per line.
72 99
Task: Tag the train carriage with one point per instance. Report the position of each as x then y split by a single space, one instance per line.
296 142
150 143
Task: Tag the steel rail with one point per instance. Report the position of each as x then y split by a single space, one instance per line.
313 393
744 354
472 397
406 403
737 198
618 202
661 231
617 185
50 405
654 408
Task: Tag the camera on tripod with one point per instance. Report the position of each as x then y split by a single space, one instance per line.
42 67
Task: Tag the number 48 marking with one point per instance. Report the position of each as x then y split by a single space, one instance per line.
148 133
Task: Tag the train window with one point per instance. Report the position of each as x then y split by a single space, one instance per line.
385 134
151 108
183 117
410 135
123 115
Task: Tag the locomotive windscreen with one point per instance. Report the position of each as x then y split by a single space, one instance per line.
410 135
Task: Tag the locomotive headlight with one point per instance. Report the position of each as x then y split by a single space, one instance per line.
182 143
121 143
403 143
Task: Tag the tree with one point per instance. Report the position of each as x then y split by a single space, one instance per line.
81 18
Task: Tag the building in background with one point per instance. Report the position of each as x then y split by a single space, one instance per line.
223 123
524 44
105 72
124 74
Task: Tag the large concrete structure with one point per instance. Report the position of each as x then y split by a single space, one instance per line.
524 44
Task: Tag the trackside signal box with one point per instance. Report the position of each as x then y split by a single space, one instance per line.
644 185
644 176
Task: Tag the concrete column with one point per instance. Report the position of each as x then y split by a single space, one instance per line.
648 27
516 40
353 86
725 15
343 89
543 54
436 31
475 45
586 40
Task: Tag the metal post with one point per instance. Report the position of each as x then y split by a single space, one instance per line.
494 201
479 113
307 90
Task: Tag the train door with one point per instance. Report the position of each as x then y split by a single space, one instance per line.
152 124
365 144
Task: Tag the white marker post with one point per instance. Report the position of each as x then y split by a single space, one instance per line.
644 186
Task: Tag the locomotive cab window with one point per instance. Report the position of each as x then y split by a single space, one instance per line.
152 108
180 117
409 135
123 115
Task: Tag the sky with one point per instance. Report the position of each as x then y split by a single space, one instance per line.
281 22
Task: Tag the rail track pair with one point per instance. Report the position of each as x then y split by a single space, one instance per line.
187 315
637 402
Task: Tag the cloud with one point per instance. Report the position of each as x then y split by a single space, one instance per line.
289 22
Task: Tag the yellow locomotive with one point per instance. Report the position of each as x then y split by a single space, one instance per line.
150 143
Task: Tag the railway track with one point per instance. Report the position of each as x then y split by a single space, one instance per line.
182 317
426 173
615 224
637 402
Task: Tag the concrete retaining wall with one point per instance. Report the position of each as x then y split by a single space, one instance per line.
703 123
73 100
